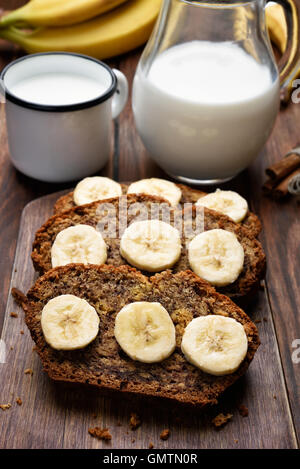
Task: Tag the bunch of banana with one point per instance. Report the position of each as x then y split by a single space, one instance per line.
99 28
58 12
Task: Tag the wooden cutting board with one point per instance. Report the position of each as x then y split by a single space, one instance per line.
56 415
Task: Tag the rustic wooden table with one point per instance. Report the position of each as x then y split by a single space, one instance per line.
281 221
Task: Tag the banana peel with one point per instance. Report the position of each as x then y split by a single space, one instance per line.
105 36
51 13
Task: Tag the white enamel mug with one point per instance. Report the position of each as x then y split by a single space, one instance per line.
62 142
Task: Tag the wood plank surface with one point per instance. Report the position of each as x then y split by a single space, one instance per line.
280 237
281 241
58 416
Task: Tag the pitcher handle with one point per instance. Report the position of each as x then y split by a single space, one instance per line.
289 63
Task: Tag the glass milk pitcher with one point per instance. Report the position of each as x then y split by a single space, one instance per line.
207 89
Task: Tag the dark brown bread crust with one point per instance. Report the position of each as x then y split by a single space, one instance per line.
103 363
189 195
246 284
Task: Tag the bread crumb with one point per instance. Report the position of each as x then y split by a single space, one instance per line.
13 314
265 319
5 406
165 434
101 434
28 371
134 421
236 441
133 440
19 401
11 348
243 410
22 332
151 445
274 397
257 321
221 420
18 296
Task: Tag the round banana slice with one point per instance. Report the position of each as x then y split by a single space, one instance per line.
95 188
69 322
155 186
228 202
145 331
217 256
151 245
79 244
215 344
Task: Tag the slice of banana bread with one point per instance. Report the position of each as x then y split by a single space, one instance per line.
92 214
103 363
189 195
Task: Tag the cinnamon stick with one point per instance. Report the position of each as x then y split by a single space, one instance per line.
281 190
269 186
284 167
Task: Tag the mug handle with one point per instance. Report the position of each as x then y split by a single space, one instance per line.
289 63
121 94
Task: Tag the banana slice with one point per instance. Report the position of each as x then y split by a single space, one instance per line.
228 202
151 245
95 188
80 244
145 331
69 322
217 256
155 186
215 344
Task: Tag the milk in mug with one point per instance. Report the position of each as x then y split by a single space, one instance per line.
205 109
58 89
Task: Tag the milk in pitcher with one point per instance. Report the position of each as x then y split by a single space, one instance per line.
205 108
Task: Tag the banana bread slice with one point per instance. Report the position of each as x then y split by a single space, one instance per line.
93 214
189 195
103 363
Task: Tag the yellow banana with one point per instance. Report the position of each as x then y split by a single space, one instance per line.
108 35
276 25
58 12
